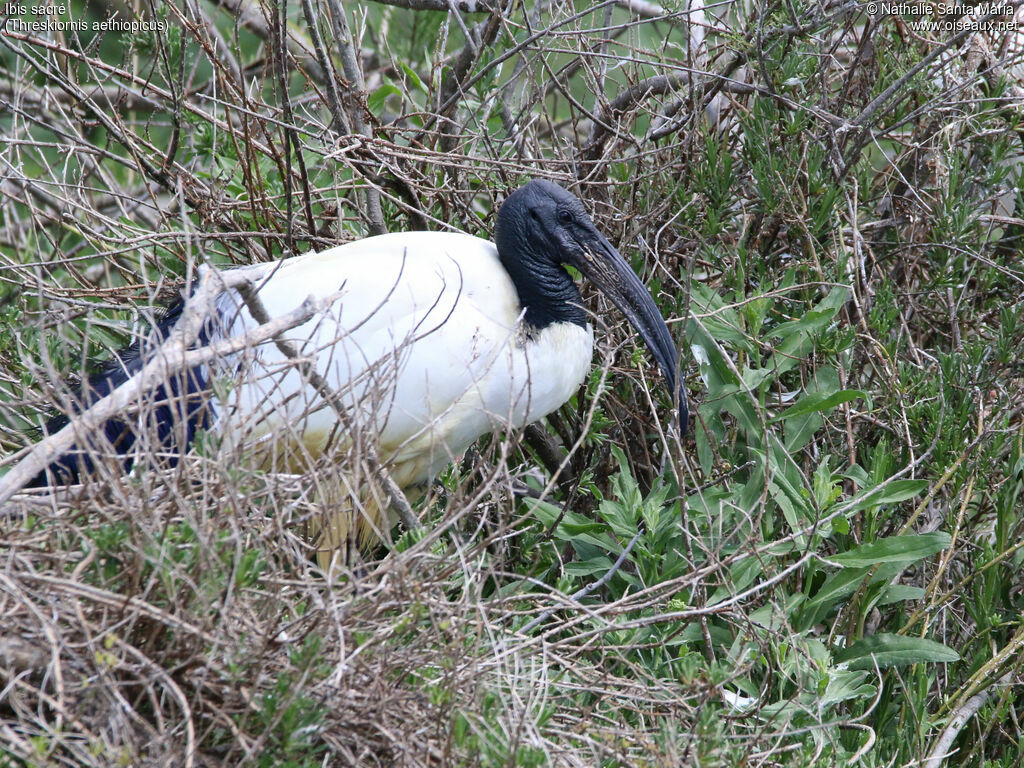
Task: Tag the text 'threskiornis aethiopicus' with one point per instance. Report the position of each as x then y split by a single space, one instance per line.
434 340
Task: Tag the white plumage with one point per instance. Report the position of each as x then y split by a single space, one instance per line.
424 345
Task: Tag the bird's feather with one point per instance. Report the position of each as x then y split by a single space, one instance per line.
424 346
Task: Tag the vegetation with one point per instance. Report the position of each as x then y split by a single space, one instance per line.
824 199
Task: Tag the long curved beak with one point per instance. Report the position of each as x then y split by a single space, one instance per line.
604 265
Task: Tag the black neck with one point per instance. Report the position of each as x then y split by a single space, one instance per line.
547 294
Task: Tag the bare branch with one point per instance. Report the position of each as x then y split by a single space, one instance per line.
623 102
350 65
939 754
466 6
333 101
253 17
171 357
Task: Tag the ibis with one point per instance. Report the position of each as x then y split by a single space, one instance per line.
432 340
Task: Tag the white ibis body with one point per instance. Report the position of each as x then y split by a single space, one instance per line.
434 340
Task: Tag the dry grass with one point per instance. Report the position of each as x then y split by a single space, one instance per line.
193 629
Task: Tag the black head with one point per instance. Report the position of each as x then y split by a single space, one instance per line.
543 218
541 228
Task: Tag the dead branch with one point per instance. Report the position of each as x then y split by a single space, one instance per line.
253 17
622 103
172 356
354 73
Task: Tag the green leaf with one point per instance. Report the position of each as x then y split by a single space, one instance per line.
741 576
798 335
857 474
837 586
819 401
898 490
719 322
887 650
896 549
376 99
843 686
840 585
414 79
895 593
814 320
591 567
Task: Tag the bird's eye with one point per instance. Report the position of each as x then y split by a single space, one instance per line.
565 217
533 214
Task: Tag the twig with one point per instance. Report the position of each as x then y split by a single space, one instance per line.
354 74
198 193
500 59
119 602
466 6
279 29
251 16
642 8
940 751
172 356
454 83
333 100
880 101
229 61
580 594
623 102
